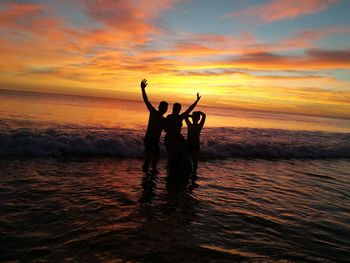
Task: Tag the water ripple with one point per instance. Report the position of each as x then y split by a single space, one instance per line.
88 209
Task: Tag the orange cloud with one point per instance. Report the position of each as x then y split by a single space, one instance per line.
29 28
122 43
18 15
280 10
132 18
206 46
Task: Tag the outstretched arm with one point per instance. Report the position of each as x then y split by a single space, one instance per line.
192 106
201 123
144 95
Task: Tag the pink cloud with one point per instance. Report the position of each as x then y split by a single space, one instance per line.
303 39
19 15
280 10
204 45
133 17
312 59
307 37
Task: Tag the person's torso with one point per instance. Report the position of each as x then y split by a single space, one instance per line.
173 124
193 133
155 125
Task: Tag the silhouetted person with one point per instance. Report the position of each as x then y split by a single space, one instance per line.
154 130
174 140
193 136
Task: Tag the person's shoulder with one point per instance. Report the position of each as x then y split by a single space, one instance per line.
153 110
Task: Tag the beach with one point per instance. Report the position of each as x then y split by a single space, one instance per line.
271 187
175 131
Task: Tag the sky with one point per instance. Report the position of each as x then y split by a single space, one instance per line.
284 56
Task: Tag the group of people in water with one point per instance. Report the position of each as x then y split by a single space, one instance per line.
181 151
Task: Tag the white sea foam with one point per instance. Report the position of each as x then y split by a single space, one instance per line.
216 143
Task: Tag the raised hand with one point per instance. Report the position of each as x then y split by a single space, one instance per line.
144 83
198 96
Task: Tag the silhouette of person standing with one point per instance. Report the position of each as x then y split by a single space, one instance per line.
193 136
174 140
154 130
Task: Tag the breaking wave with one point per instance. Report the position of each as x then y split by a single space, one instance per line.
216 143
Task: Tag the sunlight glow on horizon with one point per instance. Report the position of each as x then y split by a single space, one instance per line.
243 55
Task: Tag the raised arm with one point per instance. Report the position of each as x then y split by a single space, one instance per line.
201 123
192 106
187 120
144 95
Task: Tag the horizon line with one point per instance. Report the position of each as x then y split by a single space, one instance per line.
205 105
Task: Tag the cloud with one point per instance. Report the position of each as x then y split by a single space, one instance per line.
39 71
209 45
277 10
115 43
19 15
311 59
35 38
251 74
209 73
129 18
307 38
329 56
202 45
124 26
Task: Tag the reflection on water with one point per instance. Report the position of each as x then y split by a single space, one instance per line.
103 209
23 110
149 183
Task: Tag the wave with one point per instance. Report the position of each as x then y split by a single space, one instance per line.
216 143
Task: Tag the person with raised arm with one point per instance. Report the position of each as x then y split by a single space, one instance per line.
193 136
174 140
154 130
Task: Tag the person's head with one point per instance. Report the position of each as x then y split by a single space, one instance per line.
176 108
163 107
196 116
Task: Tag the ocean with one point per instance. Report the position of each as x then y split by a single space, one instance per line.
271 186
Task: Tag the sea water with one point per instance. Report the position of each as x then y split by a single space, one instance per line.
37 124
270 186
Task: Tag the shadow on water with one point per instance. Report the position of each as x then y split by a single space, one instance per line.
167 233
148 185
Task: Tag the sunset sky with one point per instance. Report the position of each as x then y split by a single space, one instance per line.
275 55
